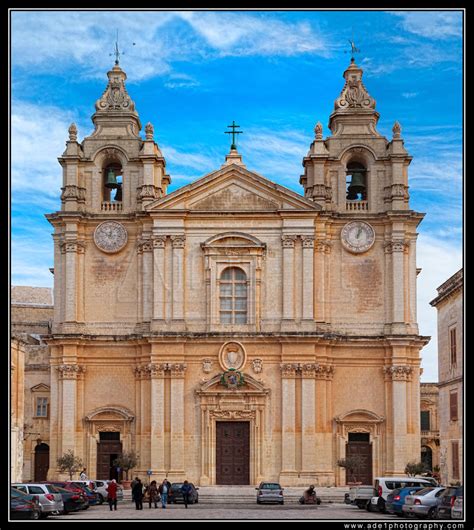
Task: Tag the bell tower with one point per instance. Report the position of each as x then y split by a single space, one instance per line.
356 169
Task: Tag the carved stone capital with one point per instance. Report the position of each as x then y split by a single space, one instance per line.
147 191
178 241
73 193
323 246
70 371
396 246
159 242
308 241
145 245
398 372
324 371
308 370
289 369
177 369
73 246
288 241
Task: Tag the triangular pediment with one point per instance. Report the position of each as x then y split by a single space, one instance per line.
233 189
41 387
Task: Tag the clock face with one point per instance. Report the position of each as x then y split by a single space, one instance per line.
357 236
110 236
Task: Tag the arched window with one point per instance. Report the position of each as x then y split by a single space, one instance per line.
233 296
112 189
356 182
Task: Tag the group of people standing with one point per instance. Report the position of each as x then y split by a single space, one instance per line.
154 493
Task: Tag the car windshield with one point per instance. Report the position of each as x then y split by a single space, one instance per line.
270 486
424 491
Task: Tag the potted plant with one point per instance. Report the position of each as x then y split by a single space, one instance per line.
352 464
126 461
69 463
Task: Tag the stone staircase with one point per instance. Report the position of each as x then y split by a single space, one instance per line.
247 494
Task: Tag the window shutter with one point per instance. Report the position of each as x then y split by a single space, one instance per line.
455 459
452 334
453 406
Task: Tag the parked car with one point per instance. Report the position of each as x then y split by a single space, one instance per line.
73 500
423 503
100 488
269 492
92 496
360 495
69 486
396 499
175 494
23 505
383 486
447 500
49 498
457 509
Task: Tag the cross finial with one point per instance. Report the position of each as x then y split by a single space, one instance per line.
354 49
117 52
233 133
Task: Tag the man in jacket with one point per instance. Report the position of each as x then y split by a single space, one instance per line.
186 490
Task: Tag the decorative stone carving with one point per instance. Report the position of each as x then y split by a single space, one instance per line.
72 246
321 191
72 132
257 366
232 355
318 131
288 241
396 246
289 369
178 241
398 372
70 371
308 241
115 96
159 241
399 190
354 94
324 371
149 130
177 369
110 236
145 245
73 192
308 369
396 130
323 245
147 191
207 366
232 414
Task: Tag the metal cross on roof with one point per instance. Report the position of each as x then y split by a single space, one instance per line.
116 52
233 132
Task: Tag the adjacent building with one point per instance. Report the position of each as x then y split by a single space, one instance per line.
429 425
449 304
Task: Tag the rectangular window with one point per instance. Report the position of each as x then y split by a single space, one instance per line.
452 347
455 459
453 406
425 420
42 407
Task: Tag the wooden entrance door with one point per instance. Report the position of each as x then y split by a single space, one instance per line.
359 446
41 462
108 449
233 452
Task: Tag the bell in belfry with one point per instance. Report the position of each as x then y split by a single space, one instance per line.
357 185
111 181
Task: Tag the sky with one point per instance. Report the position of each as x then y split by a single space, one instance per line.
276 73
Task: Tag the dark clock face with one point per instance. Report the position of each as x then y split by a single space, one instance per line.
357 236
110 236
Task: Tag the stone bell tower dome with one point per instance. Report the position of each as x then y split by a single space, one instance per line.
356 169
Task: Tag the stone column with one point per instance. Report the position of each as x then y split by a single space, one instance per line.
177 466
288 426
397 250
308 422
398 441
288 277
146 248
324 436
71 249
323 248
68 375
178 276
308 274
157 400
159 277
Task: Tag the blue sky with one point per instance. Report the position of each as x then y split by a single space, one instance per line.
276 73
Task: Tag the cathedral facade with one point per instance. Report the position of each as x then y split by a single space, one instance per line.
233 330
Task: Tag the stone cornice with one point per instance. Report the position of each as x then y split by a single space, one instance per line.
450 286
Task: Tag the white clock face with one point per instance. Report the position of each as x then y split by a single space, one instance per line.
110 236
357 236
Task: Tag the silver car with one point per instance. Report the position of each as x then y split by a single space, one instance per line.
456 510
423 503
50 500
269 492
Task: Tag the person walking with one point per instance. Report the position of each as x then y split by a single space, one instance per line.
137 494
163 490
112 494
186 491
153 494
83 475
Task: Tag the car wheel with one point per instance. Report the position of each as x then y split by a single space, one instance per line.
35 515
369 507
282 502
381 505
432 513
360 506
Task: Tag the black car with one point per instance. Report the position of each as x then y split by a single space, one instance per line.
24 506
447 499
73 501
175 494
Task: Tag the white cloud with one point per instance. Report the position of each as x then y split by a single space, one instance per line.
432 24
409 95
439 260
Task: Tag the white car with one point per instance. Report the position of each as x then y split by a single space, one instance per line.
100 488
